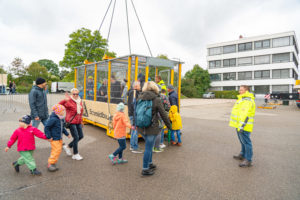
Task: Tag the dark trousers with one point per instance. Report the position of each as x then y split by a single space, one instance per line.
77 134
122 147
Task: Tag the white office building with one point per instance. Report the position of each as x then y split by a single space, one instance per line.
267 63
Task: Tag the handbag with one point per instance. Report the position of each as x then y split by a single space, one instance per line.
68 124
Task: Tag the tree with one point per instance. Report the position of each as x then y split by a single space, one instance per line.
195 82
17 67
35 70
79 46
51 66
63 73
2 71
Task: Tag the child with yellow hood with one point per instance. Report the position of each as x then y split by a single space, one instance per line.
176 125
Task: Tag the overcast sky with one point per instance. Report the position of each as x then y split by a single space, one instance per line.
39 29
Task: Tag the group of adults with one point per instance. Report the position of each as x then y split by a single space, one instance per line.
74 111
12 87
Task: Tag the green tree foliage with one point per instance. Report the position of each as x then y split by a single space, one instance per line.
2 71
17 67
195 82
51 66
79 45
35 70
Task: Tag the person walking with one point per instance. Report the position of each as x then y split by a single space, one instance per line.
173 96
242 118
148 107
38 103
74 111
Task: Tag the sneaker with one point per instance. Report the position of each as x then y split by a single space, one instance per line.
35 172
131 149
137 151
245 163
157 150
162 146
152 166
173 143
122 161
16 166
51 168
179 144
77 157
67 150
112 158
147 172
238 157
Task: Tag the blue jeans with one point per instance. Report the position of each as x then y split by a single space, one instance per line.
122 147
246 144
173 135
36 123
77 134
149 144
134 136
162 137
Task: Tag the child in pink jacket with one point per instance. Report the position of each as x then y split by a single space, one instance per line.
26 144
120 123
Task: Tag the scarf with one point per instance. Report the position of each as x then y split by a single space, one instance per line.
77 101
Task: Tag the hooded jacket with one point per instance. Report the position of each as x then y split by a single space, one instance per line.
243 111
55 127
120 123
175 118
157 108
38 103
173 98
25 137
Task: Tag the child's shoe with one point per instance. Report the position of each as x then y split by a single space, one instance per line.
77 157
157 150
162 146
173 142
67 150
113 159
179 144
52 168
122 161
35 172
16 166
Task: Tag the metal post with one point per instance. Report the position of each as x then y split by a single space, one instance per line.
172 76
95 83
84 83
179 84
109 79
156 71
128 72
136 68
75 78
147 74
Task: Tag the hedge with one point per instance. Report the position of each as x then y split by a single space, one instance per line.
232 94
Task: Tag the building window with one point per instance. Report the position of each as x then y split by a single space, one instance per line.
244 75
215 77
295 75
215 51
262 89
265 74
295 60
214 64
228 88
281 57
215 89
280 89
281 42
229 76
262 59
262 44
229 49
280 73
245 46
229 62
245 61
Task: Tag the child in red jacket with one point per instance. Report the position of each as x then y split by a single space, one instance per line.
26 144
120 123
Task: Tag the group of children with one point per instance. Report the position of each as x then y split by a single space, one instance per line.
54 129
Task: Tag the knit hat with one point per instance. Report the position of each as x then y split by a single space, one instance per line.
120 107
171 87
26 119
40 81
58 109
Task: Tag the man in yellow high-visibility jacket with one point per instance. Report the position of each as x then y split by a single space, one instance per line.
242 118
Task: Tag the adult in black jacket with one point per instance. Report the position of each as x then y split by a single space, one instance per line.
151 92
115 91
173 97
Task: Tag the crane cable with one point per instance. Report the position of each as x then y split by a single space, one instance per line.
111 20
128 28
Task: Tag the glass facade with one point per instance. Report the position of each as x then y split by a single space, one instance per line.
244 75
261 89
280 73
281 42
228 88
229 76
229 62
264 74
215 77
245 61
281 57
258 60
229 49
215 51
245 46
280 89
214 64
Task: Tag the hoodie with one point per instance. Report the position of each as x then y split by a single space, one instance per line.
120 123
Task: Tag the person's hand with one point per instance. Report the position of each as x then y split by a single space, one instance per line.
132 128
37 118
50 140
67 96
69 136
6 149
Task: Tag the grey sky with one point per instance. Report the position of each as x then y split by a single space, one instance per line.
35 29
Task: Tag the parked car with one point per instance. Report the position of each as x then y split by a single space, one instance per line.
209 95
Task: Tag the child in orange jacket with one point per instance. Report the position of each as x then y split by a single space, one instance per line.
120 123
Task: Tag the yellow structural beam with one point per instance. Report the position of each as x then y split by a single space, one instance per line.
84 83
172 76
179 83
156 71
136 68
147 74
129 72
95 83
75 78
109 79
